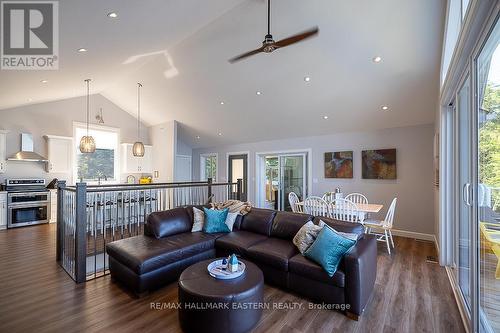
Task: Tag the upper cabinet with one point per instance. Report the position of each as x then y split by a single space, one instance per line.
60 154
132 164
3 150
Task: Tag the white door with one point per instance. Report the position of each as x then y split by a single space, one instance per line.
182 168
60 155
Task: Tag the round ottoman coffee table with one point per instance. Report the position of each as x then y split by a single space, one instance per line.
211 305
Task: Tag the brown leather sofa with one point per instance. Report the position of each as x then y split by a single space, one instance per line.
168 246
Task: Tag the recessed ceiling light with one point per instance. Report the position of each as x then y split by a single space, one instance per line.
377 59
220 134
385 107
44 81
82 49
221 102
113 15
258 93
307 79
198 137
29 99
325 117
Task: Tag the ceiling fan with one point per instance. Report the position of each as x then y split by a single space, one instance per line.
269 45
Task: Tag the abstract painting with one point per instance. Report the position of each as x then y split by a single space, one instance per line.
338 164
379 164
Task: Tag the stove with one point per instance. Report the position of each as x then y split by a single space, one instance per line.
28 202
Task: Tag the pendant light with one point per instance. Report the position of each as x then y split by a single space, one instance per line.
138 148
87 143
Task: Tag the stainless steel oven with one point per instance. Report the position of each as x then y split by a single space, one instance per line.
28 203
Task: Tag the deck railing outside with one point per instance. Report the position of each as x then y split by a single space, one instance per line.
89 217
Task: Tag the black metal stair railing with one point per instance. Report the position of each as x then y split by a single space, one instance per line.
89 217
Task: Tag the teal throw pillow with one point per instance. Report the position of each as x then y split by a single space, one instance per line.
328 249
215 221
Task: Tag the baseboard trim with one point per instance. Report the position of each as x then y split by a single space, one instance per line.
416 235
437 246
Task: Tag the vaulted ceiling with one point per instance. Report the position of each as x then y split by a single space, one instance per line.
179 49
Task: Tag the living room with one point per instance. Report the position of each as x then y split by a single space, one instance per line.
250 166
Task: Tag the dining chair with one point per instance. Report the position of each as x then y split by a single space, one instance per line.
293 199
329 196
383 228
357 198
316 206
345 210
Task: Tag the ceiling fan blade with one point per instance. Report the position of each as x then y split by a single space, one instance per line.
248 54
297 38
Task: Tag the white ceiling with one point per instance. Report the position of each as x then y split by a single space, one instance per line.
185 45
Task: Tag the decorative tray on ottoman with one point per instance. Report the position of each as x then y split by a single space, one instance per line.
218 270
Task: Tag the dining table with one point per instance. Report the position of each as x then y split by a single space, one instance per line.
364 209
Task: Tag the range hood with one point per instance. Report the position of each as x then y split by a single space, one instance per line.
27 154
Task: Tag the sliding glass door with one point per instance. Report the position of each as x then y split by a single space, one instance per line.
464 172
281 174
292 178
470 197
488 180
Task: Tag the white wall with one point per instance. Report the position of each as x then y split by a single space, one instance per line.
183 148
56 118
414 186
183 161
164 140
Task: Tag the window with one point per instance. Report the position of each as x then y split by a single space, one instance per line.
208 166
103 164
452 31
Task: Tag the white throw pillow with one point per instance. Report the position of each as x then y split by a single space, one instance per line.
347 235
198 220
306 236
230 219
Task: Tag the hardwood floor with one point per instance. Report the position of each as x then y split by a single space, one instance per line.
36 295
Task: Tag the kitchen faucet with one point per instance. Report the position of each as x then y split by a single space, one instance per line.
99 179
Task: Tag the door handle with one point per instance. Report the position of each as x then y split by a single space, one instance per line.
466 194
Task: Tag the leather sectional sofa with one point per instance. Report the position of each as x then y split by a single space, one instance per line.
168 246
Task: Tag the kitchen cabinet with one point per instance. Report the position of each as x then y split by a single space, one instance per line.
60 154
3 210
132 164
53 206
3 151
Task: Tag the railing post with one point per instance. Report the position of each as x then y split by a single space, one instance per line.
209 181
239 189
61 185
80 233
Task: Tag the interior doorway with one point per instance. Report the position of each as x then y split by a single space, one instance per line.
278 175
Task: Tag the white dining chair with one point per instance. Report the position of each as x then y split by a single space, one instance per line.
293 199
357 198
329 196
345 210
383 228
316 206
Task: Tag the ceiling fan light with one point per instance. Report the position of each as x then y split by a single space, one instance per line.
87 145
138 149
